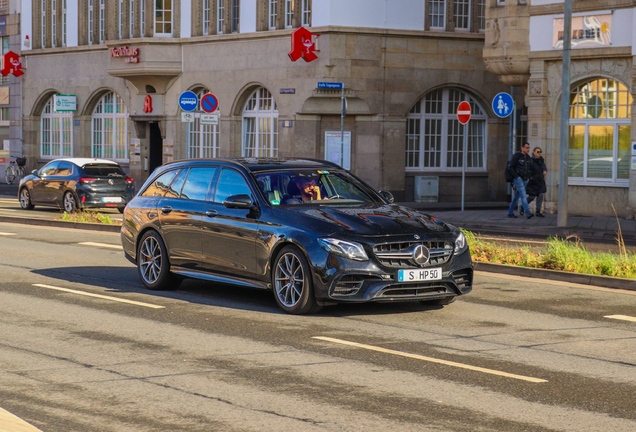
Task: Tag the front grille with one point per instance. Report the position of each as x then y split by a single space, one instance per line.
400 255
463 278
348 285
414 290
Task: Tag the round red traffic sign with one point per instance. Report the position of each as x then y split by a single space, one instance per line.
209 103
463 112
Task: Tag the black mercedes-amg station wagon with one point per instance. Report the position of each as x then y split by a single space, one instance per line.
307 229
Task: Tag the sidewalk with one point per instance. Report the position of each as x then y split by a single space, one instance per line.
496 220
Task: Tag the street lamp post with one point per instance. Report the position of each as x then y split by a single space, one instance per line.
562 219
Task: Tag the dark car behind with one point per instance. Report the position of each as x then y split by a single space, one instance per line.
76 183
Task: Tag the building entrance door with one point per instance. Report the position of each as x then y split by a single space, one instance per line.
155 147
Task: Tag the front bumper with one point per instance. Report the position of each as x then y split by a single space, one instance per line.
347 281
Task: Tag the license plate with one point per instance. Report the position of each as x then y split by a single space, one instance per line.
431 274
111 199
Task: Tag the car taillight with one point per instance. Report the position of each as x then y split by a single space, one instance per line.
87 180
130 181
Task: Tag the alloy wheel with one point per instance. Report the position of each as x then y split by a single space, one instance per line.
69 202
25 200
151 260
289 279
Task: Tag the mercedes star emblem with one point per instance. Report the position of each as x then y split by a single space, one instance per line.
111 182
421 255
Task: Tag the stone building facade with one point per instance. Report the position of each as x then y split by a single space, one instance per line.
601 171
405 66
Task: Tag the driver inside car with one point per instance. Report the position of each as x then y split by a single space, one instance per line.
308 189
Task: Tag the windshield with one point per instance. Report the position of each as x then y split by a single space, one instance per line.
311 186
104 171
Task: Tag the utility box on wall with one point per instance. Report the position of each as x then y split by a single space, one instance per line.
426 189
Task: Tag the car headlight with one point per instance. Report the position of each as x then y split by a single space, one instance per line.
460 243
347 249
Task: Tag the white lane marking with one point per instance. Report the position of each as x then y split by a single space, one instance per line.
6 209
100 296
6 234
7 200
12 423
431 359
621 317
103 245
555 283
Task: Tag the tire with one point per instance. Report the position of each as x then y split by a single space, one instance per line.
295 294
69 202
153 263
25 199
10 174
440 302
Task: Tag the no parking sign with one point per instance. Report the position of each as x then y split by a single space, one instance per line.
209 103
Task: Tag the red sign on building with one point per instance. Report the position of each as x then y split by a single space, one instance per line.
464 112
11 64
131 54
303 45
148 104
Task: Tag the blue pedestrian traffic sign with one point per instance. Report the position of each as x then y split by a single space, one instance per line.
188 101
331 85
502 105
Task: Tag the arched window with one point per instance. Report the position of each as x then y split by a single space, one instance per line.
600 134
435 138
110 128
56 132
260 125
202 140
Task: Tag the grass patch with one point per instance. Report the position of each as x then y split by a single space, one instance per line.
558 254
89 217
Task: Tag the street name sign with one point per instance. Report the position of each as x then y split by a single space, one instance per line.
330 85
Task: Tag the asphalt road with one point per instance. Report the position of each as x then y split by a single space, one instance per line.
83 347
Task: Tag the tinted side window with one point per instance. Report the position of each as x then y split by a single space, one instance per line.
64 169
49 169
175 188
198 183
230 183
159 186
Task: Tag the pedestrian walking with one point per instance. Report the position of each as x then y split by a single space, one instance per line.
519 170
536 186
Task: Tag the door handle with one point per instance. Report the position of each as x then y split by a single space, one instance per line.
166 210
211 213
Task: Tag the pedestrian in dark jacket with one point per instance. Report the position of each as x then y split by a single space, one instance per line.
536 186
520 170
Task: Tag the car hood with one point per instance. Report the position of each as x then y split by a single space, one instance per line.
370 220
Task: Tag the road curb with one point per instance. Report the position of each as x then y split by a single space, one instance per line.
558 275
62 224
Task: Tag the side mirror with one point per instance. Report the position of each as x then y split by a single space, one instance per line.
238 202
35 173
387 196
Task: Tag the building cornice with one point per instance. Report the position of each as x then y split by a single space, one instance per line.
581 6
263 35
586 53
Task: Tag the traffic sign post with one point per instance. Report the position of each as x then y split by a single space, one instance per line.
463 116
188 101
209 103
